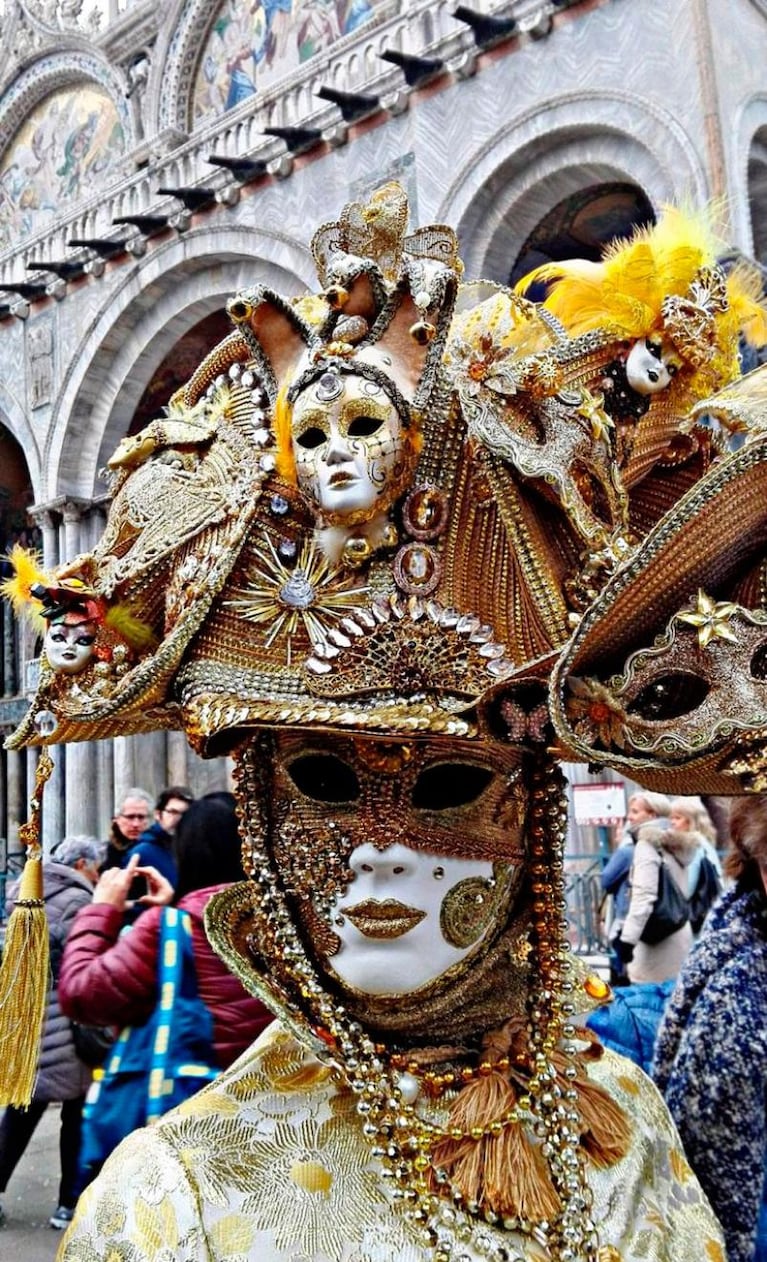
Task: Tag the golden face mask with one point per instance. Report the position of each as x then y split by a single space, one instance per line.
386 844
348 446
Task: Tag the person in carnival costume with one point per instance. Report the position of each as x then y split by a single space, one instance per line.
377 514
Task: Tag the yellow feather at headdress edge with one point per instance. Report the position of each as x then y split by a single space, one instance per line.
136 634
746 298
625 292
17 588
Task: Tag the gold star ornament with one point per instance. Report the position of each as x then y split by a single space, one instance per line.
712 619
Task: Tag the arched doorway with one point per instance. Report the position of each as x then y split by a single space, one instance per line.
582 224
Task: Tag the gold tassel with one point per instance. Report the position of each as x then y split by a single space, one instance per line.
504 1172
606 1135
25 965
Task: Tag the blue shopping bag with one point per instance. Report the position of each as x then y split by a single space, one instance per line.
155 1066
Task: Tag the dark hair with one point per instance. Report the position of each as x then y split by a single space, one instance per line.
207 847
220 795
747 853
179 791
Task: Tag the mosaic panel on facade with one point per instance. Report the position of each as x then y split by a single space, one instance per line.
252 45
70 140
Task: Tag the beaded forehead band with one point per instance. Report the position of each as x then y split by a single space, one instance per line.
329 371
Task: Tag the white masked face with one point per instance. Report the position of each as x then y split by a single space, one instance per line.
393 919
651 365
69 647
347 443
404 857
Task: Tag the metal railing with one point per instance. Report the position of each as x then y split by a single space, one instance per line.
583 892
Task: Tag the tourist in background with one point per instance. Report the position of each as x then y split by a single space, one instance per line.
711 1057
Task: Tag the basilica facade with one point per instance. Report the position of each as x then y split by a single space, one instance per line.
157 156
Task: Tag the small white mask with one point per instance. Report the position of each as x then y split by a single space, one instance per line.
651 366
347 443
69 646
391 919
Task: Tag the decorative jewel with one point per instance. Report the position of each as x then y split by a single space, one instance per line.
336 297
279 506
466 912
424 513
45 722
595 987
287 549
423 332
592 408
313 596
417 569
438 873
357 551
389 538
712 619
329 387
352 328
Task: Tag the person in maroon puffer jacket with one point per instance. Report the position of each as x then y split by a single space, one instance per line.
110 978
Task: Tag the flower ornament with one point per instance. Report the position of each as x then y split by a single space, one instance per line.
595 713
712 619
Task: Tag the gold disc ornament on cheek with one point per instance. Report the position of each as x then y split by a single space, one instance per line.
467 910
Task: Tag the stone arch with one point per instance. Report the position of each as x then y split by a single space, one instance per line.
13 417
499 195
129 337
175 61
750 233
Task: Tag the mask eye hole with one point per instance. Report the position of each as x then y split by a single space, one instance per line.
311 437
654 347
364 426
670 697
758 666
449 785
324 778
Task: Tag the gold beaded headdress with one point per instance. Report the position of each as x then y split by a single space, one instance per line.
666 677
435 613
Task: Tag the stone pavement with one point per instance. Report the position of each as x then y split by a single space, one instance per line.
31 1198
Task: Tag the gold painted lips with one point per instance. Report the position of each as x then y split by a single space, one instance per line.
387 919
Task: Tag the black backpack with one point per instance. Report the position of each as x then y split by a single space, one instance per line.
708 887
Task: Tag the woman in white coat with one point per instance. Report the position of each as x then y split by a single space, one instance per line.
661 961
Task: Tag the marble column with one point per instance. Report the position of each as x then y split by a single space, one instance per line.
178 760
9 651
15 797
48 523
105 785
81 795
124 766
53 800
53 796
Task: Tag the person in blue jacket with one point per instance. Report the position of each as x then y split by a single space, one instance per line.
155 846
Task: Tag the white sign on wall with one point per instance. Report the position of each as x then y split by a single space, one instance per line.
599 803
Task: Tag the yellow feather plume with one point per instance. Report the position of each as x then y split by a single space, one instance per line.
625 292
744 291
137 634
283 413
17 588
